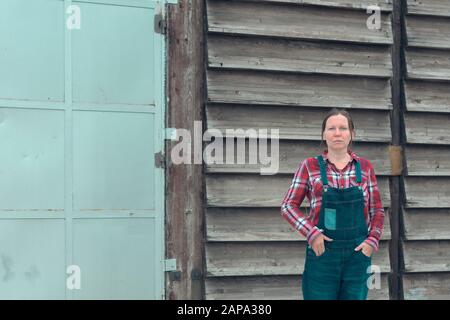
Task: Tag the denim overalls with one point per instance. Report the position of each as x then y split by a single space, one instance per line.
340 273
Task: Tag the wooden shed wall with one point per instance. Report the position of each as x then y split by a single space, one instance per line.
426 210
184 183
284 64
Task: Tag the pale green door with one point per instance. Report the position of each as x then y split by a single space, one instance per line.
81 118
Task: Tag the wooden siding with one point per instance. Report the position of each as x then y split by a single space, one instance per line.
292 152
252 87
270 288
296 123
229 190
261 224
428 32
429 7
269 258
232 52
427 286
427 192
426 215
427 96
427 256
301 22
283 65
427 128
427 224
428 64
385 5
419 162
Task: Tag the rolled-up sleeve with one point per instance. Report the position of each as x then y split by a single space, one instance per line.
376 211
290 208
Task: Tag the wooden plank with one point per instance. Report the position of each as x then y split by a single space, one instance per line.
427 192
426 286
291 153
273 54
257 288
246 190
427 128
186 69
273 258
427 64
424 96
270 288
294 123
384 5
239 190
287 21
396 122
251 87
257 224
429 7
427 224
428 32
419 162
427 256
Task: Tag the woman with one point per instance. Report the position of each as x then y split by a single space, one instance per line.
345 220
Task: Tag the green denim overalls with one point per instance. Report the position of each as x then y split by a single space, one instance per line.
340 273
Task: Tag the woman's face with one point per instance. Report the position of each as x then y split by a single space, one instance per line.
337 133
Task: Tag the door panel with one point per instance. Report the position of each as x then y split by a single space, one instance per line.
113 160
106 251
81 118
32 259
32 47
113 60
32 159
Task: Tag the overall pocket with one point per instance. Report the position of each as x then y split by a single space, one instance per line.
330 218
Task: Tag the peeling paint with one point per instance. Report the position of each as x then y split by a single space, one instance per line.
7 264
33 274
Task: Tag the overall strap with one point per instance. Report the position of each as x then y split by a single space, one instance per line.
358 172
323 170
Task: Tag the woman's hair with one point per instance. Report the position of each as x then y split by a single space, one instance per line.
335 112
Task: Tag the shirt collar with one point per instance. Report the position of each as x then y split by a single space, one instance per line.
350 152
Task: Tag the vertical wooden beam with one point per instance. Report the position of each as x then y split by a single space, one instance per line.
184 186
397 129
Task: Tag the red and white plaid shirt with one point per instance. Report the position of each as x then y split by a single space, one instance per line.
307 182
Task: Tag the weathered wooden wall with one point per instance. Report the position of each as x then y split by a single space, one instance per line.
284 64
426 213
184 191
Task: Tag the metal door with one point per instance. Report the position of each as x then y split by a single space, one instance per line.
81 118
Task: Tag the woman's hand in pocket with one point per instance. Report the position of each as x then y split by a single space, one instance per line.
365 248
318 244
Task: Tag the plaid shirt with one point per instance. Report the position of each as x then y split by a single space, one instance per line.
307 182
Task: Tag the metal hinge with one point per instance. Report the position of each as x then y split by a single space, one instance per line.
160 160
160 17
171 134
160 24
170 265
196 274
